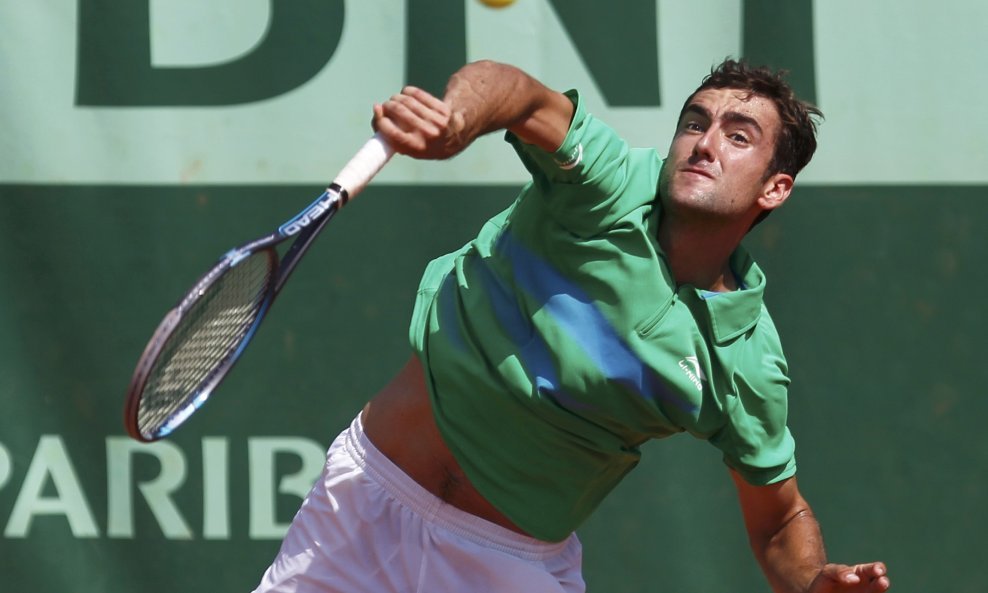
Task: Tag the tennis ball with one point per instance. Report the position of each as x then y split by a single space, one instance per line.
497 3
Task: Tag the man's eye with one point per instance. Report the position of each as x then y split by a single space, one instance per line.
739 138
692 126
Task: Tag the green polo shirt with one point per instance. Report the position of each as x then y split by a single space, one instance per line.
557 341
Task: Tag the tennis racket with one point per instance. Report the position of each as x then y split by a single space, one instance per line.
197 343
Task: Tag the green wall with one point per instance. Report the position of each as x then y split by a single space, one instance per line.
873 289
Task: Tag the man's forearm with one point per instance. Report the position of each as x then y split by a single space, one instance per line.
486 96
793 556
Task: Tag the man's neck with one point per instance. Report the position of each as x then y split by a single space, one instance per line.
699 254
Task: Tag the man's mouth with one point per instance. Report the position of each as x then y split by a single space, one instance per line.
697 171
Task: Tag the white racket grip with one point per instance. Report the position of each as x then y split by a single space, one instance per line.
364 165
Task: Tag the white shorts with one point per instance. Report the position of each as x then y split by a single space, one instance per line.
367 526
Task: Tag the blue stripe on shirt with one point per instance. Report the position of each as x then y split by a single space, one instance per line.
574 311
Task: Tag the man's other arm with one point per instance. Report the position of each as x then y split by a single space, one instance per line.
786 540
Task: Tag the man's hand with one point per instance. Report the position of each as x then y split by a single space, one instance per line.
860 578
419 125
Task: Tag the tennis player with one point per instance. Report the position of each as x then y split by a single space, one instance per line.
610 304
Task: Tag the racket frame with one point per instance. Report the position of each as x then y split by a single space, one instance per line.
306 225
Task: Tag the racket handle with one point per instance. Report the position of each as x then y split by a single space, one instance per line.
364 165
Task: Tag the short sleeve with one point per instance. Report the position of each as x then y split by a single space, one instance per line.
593 180
755 440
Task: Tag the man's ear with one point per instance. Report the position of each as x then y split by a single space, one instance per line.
775 191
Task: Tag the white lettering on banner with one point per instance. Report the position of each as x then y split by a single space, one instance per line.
51 487
215 488
51 460
4 466
157 492
261 456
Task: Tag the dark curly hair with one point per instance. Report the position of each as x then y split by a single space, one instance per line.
797 141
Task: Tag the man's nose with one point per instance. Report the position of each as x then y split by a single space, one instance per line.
703 149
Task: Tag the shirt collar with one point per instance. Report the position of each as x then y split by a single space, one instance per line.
734 313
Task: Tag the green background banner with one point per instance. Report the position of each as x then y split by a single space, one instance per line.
875 267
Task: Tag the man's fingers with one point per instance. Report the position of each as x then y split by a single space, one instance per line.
873 569
875 574
848 576
416 124
378 114
871 577
405 114
427 99
413 113
402 141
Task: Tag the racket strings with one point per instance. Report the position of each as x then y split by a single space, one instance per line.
205 339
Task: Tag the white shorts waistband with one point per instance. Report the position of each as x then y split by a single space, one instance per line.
433 510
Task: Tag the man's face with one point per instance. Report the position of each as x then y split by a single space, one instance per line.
718 159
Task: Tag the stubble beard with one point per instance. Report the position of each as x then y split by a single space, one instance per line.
693 204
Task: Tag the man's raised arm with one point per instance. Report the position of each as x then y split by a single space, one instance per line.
481 97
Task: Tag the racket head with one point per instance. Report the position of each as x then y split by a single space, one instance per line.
198 342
